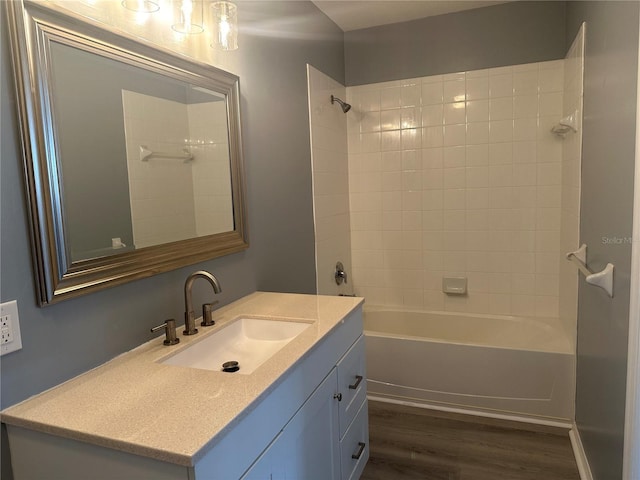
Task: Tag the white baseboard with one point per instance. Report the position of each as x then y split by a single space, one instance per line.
579 453
478 413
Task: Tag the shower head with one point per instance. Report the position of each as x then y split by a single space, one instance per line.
345 106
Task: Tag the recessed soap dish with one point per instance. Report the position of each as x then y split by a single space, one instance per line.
454 285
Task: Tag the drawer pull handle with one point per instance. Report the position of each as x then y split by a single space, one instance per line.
358 454
338 396
353 386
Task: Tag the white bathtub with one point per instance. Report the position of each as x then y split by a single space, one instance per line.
486 363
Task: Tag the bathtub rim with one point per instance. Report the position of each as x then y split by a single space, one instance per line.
540 321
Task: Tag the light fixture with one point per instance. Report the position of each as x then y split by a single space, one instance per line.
225 25
188 16
141 6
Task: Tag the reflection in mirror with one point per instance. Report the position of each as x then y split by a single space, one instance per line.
149 153
133 158
179 180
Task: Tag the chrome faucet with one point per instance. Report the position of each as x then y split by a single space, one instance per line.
189 315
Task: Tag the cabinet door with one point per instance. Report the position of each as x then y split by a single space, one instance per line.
352 383
266 464
308 446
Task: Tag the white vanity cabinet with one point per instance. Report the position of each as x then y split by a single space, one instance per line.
328 438
310 424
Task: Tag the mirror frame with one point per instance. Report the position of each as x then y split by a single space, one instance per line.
31 28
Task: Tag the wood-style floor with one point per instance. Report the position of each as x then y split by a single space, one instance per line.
414 443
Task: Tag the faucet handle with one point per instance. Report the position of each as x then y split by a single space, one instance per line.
169 330
207 314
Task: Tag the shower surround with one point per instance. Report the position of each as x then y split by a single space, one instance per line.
459 175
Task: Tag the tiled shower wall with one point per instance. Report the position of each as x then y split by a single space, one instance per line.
330 181
459 175
210 171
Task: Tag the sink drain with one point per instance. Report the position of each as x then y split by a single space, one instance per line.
231 366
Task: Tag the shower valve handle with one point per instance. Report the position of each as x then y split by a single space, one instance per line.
340 274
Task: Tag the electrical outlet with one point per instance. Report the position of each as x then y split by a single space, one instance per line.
10 339
6 334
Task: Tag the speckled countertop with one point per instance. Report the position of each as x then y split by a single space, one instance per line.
123 404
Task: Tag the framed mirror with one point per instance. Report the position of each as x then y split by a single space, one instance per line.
133 155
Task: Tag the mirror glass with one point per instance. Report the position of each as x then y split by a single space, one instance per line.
144 157
133 158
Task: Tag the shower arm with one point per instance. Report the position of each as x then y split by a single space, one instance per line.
344 105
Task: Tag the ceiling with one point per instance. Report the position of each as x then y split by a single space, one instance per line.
357 14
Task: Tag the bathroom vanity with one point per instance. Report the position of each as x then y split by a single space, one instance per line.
300 414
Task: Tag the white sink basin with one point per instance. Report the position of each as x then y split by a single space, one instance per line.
248 341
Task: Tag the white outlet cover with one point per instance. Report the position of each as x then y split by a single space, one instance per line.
11 309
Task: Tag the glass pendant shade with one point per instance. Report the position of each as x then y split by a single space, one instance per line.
142 6
225 25
187 15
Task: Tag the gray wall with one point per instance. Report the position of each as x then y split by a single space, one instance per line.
66 339
276 115
611 62
507 34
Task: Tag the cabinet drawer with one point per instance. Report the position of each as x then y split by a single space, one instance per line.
354 447
352 383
